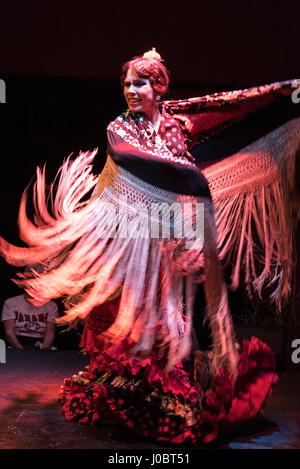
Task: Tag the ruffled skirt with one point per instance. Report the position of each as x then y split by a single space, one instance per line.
191 404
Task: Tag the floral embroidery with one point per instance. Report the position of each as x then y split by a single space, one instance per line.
127 126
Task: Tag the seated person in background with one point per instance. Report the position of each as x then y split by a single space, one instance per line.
24 323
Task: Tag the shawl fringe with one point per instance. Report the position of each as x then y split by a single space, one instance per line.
252 195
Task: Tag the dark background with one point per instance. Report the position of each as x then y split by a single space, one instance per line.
212 42
61 63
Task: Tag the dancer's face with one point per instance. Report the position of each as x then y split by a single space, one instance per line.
139 93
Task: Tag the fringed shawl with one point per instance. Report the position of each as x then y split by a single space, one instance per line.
246 142
250 188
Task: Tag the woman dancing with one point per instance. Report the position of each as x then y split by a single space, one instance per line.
135 286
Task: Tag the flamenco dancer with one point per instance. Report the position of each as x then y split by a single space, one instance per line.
136 292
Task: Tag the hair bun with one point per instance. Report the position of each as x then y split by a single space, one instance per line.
152 54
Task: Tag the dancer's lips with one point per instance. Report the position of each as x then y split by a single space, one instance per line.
134 101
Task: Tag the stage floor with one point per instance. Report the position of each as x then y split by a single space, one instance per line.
31 417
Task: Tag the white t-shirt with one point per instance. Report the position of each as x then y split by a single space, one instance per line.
31 321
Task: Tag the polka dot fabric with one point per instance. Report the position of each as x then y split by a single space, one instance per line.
176 407
170 132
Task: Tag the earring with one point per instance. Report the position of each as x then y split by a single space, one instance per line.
157 98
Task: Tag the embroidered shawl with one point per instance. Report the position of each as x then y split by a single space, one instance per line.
246 143
249 180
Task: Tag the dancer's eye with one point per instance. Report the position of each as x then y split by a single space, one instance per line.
139 83
135 83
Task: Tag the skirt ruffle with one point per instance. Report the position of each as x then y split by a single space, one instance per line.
174 407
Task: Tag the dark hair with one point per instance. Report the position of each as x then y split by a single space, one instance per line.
150 68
